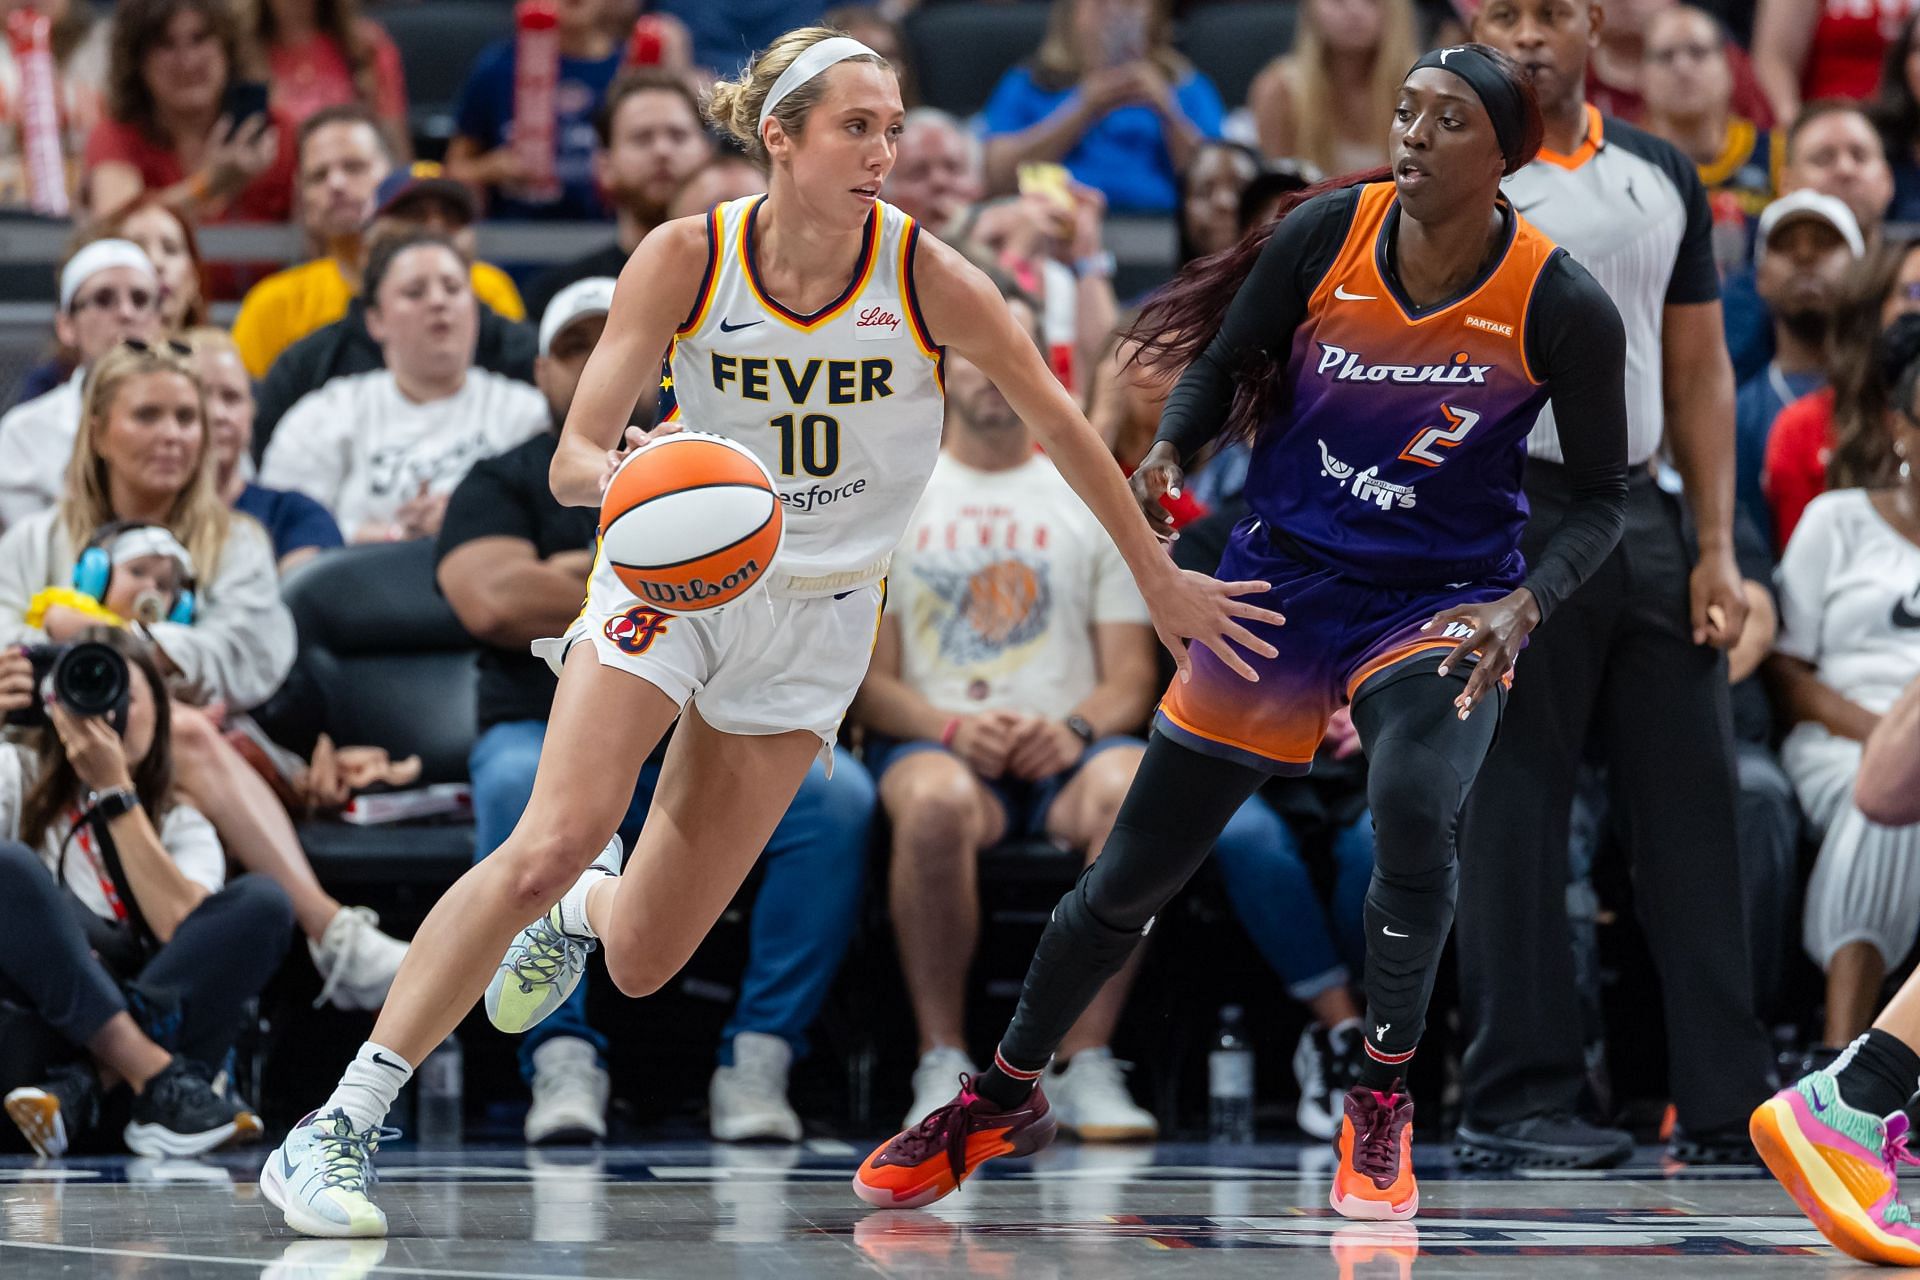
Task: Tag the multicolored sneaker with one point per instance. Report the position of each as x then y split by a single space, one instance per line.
1841 1165
920 1165
1374 1179
319 1177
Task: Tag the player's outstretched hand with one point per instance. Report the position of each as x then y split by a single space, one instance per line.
1158 475
631 438
1202 609
1499 629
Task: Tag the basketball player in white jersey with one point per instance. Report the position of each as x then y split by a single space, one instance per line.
807 325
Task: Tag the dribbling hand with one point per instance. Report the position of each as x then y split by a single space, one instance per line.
631 439
1499 629
1158 475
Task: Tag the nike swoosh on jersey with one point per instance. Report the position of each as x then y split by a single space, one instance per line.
1903 617
730 328
1340 292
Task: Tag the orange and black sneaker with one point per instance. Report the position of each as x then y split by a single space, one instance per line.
931 1160
1374 1179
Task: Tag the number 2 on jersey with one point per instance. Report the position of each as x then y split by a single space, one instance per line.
814 441
1421 448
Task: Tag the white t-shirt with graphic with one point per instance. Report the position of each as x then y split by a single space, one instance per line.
997 586
359 447
1850 599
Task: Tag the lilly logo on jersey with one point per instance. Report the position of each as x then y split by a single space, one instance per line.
1351 366
876 322
669 595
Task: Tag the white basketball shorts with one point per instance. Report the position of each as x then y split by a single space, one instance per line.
765 664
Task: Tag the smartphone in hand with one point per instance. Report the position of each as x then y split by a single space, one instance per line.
244 100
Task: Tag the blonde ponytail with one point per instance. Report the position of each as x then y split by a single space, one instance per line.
733 106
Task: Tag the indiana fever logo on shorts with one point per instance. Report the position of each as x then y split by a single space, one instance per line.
635 630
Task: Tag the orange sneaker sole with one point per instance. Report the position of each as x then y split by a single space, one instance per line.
1797 1166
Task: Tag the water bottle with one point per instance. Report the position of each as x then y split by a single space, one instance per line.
1230 1080
439 1082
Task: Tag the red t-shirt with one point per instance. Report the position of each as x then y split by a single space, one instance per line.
1749 100
268 198
1849 42
315 74
1795 470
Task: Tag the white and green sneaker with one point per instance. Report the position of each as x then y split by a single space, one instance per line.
546 961
318 1177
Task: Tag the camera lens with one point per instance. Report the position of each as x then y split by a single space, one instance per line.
91 679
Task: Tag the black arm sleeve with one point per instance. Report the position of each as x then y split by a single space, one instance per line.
1576 342
1269 306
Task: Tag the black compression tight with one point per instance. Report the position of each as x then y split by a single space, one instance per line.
1422 760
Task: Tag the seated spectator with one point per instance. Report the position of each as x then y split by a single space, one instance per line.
1329 100
1689 102
166 130
79 43
382 450
131 954
1617 70
1107 96
513 563
1831 438
1808 244
936 170
350 195
298 527
725 177
1210 191
1849 644
421 199
1013 659
323 53
108 292
480 152
142 456
649 139
1831 148
880 33
1896 110
1805 51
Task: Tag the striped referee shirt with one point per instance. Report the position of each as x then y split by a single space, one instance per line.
1630 209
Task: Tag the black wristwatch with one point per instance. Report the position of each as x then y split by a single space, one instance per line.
1082 728
115 803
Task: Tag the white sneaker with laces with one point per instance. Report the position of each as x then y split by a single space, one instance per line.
1323 1068
545 962
355 960
747 1102
318 1178
1090 1097
937 1079
570 1090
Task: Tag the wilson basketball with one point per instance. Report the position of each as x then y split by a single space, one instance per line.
690 522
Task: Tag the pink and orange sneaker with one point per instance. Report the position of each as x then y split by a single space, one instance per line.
1374 1179
1841 1165
931 1160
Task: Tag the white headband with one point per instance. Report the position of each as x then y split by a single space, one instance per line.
812 62
97 257
149 540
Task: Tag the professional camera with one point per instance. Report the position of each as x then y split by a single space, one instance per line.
88 679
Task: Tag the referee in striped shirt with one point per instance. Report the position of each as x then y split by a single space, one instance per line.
1633 661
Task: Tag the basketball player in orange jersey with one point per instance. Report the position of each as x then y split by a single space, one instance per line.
808 326
1386 345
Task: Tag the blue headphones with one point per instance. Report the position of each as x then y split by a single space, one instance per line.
93 571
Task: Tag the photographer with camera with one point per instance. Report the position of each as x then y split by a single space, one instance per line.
143 457
125 957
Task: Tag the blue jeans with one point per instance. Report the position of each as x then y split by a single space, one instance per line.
1308 945
804 914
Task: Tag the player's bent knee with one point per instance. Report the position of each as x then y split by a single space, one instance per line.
542 867
636 973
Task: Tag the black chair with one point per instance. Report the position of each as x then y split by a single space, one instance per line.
383 662
438 43
1231 42
960 51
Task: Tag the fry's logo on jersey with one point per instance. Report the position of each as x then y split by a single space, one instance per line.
836 381
1351 366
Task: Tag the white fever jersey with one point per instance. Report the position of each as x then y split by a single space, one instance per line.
844 405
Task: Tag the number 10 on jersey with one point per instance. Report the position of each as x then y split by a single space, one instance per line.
813 442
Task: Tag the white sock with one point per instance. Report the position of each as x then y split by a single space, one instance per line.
368 1086
573 903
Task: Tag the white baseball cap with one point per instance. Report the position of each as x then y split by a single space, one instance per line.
590 297
1808 203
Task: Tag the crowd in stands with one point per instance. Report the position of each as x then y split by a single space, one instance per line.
200 430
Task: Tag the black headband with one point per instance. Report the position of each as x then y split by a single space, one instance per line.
1497 93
